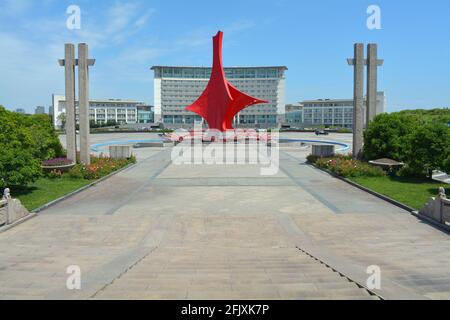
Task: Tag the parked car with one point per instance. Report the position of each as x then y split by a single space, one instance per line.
321 133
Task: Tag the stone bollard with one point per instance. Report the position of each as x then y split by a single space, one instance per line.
11 210
120 152
7 194
323 150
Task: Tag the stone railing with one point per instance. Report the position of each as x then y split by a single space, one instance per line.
3 212
438 208
11 210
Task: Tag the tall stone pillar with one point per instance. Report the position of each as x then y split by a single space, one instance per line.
358 63
69 64
83 94
372 81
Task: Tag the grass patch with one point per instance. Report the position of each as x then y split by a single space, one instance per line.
410 191
46 190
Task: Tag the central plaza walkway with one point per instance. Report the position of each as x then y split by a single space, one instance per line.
164 231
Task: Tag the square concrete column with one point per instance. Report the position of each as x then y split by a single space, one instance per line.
372 81
358 63
69 64
83 94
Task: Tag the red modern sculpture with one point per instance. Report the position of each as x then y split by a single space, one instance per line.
221 101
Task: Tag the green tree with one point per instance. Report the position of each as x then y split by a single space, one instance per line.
388 136
416 137
45 140
25 141
18 165
428 149
434 115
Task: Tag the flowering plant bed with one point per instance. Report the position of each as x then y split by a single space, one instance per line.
99 167
345 166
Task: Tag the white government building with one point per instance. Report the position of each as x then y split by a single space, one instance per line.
334 112
100 111
175 88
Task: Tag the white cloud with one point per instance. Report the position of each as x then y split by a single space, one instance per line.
202 36
121 21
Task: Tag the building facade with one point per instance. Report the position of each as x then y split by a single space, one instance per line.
175 88
100 111
146 114
294 115
334 112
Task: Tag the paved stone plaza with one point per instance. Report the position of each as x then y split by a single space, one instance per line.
161 231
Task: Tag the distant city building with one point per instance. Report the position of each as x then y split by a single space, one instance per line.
178 87
145 114
100 111
334 112
20 110
50 113
39 110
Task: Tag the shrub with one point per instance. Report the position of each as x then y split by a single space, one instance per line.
75 172
55 174
312 158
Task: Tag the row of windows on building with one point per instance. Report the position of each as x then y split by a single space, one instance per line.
167 92
205 73
121 116
193 82
246 111
176 105
114 111
62 105
243 119
341 104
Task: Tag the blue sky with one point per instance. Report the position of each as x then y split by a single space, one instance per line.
312 38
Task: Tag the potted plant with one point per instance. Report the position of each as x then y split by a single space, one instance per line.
58 164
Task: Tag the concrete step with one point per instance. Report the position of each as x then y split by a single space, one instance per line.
289 275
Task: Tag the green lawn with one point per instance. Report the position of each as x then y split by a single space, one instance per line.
46 190
412 192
